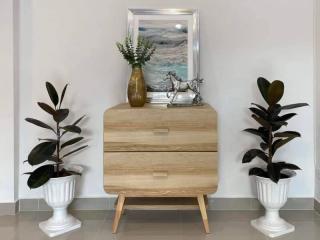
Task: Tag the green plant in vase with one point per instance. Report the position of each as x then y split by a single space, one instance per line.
270 122
58 180
53 149
273 180
137 57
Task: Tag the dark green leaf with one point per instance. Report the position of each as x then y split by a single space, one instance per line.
274 172
52 93
279 123
283 142
72 128
61 115
291 106
274 111
255 132
289 166
251 154
285 117
265 137
38 123
75 129
40 176
76 150
262 132
47 108
280 142
264 146
261 121
275 128
259 106
263 85
63 93
41 153
76 122
257 172
275 92
71 141
287 134
276 125
259 112
273 150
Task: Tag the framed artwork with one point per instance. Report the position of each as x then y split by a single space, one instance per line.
175 32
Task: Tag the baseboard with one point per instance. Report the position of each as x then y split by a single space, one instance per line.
247 204
317 205
26 205
9 208
217 204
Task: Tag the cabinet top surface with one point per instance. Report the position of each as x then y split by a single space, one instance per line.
126 106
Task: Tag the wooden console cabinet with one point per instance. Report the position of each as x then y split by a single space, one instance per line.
157 152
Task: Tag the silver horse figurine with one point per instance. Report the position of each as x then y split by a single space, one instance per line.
180 86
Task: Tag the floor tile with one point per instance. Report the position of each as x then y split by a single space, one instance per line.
160 225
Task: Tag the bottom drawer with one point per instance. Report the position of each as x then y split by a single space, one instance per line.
160 173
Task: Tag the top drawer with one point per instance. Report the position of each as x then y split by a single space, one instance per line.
158 128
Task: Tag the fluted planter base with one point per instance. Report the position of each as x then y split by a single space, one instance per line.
273 197
59 193
271 229
55 227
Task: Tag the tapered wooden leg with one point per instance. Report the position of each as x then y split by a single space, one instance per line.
203 211
118 213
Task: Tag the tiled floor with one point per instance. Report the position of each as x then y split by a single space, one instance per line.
158 225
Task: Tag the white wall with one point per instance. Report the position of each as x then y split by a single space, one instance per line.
74 41
317 98
7 131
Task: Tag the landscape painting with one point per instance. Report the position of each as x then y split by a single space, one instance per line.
171 40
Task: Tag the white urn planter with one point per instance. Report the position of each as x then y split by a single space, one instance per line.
273 197
58 194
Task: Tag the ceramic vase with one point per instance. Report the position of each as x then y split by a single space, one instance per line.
58 194
273 197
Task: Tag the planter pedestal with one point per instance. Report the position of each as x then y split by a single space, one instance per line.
272 227
59 193
273 197
59 223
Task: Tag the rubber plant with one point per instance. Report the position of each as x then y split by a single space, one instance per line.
270 122
53 151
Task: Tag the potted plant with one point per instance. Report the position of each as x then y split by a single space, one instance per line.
273 179
58 180
137 58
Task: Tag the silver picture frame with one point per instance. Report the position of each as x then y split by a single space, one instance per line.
193 49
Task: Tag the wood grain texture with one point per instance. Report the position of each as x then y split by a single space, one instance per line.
158 152
118 213
203 212
157 128
177 161
162 203
160 173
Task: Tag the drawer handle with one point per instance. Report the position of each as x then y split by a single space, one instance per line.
161 131
160 173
